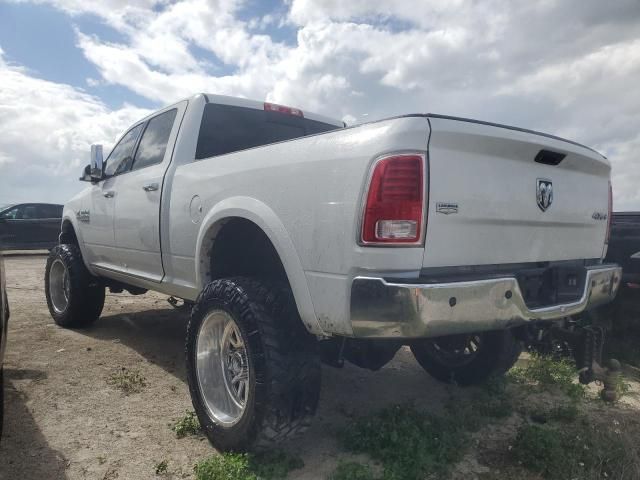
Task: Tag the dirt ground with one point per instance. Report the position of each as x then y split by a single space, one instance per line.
64 421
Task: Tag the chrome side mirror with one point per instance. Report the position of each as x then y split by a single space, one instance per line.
97 164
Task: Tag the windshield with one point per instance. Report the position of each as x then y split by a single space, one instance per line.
5 206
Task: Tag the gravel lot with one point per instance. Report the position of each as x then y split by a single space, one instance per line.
64 421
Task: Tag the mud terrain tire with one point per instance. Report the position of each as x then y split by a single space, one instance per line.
283 365
75 297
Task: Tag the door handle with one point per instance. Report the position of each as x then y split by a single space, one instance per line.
150 187
109 194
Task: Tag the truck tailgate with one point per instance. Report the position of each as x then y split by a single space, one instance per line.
491 202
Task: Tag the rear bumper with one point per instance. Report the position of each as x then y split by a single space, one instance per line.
380 309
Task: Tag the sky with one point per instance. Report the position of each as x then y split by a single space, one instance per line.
77 72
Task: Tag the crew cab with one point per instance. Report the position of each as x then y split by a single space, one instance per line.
298 239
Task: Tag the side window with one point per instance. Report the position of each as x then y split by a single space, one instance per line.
30 212
49 211
120 158
154 140
14 214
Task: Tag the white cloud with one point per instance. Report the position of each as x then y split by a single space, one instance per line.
569 68
47 129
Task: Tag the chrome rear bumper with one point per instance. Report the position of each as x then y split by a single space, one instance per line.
380 309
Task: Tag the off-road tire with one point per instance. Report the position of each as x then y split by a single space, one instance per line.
86 296
285 385
498 352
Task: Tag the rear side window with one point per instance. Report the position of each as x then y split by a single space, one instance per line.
49 211
226 129
30 212
153 143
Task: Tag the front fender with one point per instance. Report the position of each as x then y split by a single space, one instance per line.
264 217
69 215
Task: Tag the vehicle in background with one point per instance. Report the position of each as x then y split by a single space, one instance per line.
624 246
4 318
293 235
30 226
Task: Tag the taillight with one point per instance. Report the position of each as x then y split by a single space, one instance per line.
609 214
394 208
272 107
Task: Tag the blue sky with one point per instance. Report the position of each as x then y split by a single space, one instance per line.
74 73
43 39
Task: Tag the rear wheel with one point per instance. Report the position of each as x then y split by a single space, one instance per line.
253 370
468 359
75 298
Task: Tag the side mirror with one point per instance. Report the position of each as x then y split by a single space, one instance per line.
86 174
97 165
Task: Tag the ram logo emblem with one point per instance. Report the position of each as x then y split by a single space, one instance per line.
544 193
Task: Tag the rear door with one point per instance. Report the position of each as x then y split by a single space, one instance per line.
48 227
138 195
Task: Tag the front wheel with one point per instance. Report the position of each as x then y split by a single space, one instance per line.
75 298
253 370
468 359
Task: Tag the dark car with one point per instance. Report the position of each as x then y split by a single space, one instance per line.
624 246
29 226
4 318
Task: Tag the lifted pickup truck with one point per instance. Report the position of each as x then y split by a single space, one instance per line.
298 239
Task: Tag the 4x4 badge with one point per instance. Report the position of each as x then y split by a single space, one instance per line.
544 193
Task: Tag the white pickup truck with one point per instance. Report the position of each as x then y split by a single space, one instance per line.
298 239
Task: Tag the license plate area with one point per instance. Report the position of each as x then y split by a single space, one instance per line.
547 286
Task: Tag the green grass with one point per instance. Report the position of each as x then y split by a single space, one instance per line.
228 466
409 443
352 471
161 467
413 444
274 465
129 381
549 373
582 450
187 425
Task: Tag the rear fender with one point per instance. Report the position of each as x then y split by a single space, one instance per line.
266 219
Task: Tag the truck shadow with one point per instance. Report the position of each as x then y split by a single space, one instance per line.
21 436
158 335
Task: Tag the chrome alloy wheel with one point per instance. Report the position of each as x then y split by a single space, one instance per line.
59 286
222 368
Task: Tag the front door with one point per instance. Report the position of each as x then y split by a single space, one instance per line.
97 215
17 227
138 194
